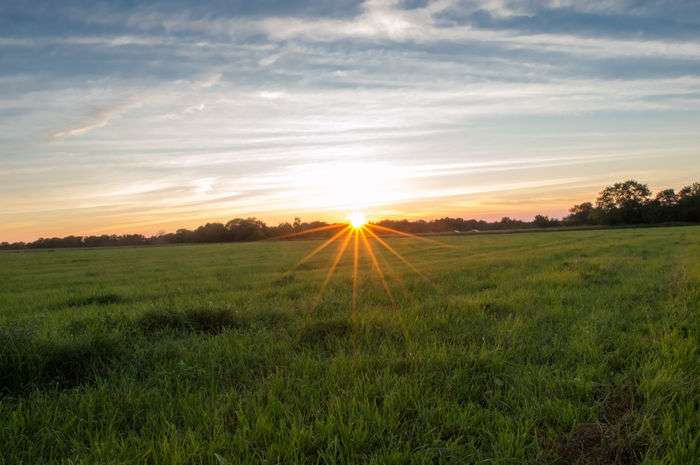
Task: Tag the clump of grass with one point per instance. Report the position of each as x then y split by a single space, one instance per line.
594 274
160 320
208 321
205 320
101 298
497 309
73 364
100 325
375 332
16 344
213 321
268 318
324 333
27 362
284 280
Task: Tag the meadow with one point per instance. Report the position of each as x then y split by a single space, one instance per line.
537 348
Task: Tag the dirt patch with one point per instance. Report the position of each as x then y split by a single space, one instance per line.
612 439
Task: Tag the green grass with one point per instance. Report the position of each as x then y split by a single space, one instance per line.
564 347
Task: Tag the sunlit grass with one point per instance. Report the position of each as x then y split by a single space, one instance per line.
497 349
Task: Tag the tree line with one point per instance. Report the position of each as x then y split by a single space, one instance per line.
624 203
631 202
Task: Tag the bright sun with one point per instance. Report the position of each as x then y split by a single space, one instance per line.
357 219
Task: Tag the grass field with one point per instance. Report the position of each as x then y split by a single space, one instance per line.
563 347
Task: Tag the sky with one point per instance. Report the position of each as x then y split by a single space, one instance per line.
128 116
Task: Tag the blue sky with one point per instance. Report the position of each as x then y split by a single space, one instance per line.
140 117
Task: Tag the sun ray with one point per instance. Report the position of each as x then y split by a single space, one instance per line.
396 254
375 264
355 266
356 230
399 315
318 249
391 271
334 265
307 231
405 234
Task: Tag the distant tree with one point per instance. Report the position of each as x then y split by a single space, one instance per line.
543 221
99 241
667 198
282 229
623 202
690 191
245 229
581 214
210 232
132 239
183 236
509 223
689 203
663 208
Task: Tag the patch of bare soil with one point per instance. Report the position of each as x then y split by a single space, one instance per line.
612 439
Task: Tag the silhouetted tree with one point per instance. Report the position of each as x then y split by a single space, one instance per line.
183 236
663 208
667 198
248 229
542 221
689 203
282 229
580 214
623 202
210 232
509 223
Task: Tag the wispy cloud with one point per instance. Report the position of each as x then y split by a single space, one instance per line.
260 109
96 120
385 21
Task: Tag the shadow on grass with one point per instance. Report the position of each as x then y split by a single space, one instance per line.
102 298
333 333
203 320
497 310
324 334
28 363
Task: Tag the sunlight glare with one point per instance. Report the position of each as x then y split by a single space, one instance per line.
357 219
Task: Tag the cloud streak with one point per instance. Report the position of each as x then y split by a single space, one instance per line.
158 118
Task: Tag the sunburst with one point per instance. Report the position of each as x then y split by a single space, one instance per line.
357 220
357 235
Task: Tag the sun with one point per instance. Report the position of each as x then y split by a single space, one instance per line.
361 237
357 220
